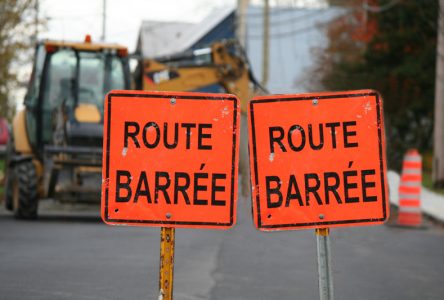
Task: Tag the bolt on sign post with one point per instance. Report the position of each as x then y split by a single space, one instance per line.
318 161
170 160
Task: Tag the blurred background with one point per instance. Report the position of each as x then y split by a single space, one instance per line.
59 58
312 45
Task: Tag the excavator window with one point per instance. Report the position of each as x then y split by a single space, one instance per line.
73 77
59 89
36 76
32 93
91 78
117 74
98 74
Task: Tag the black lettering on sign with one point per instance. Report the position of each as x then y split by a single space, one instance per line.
162 187
142 188
366 184
133 134
145 132
317 139
180 185
201 135
217 188
333 132
273 191
331 187
169 135
321 137
344 188
348 133
199 187
165 136
291 135
350 185
182 188
188 127
313 189
123 185
293 192
276 139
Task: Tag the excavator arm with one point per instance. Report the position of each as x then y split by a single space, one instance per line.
224 63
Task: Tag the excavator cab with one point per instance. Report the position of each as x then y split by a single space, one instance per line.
57 138
68 93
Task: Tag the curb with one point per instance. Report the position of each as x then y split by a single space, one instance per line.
432 204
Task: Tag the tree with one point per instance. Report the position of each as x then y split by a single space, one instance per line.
389 48
17 29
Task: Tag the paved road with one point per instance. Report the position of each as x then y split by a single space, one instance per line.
74 256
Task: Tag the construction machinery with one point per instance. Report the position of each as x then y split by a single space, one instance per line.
221 67
56 145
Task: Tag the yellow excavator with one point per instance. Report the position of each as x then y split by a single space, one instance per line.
56 145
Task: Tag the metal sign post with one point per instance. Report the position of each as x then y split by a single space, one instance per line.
324 264
318 168
166 274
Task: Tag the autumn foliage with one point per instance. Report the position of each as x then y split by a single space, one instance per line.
17 29
389 46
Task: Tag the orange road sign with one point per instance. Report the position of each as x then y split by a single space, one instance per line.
318 160
170 159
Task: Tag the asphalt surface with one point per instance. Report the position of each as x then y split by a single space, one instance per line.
73 255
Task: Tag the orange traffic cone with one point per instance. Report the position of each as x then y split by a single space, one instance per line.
409 213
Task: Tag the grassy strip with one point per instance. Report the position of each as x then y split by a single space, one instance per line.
428 183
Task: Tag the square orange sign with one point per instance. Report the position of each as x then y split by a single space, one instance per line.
170 159
318 160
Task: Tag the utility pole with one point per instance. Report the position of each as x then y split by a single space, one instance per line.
266 44
103 20
36 21
241 28
438 151
244 168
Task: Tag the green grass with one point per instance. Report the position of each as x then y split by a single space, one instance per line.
428 182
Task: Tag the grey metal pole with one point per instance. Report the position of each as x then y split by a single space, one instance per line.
438 151
324 264
266 43
36 23
242 9
103 20
241 28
